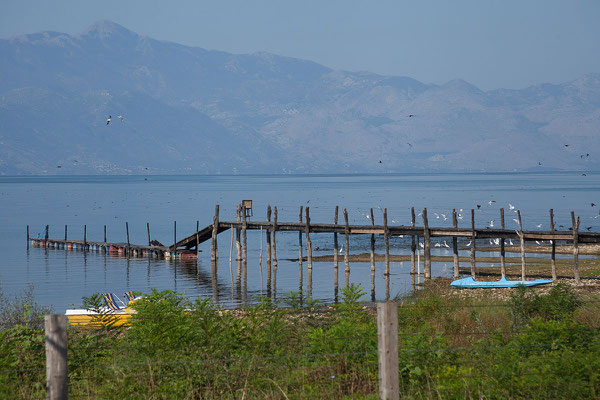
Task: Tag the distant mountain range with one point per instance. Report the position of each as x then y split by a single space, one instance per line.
191 110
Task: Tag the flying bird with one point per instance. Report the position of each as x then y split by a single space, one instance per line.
566 145
539 225
120 117
478 206
410 145
593 204
491 223
539 163
410 115
511 207
491 202
108 119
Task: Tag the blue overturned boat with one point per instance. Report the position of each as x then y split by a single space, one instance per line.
471 283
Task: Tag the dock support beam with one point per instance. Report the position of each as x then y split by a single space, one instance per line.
502 251
575 248
473 247
553 242
308 253
427 246
522 241
386 242
300 269
347 250
413 245
455 245
335 257
214 249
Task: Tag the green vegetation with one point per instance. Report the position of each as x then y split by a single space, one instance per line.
531 346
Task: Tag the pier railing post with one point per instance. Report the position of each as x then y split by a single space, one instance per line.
27 236
455 245
387 343
84 238
57 377
238 245
427 246
46 236
575 248
347 249
65 233
335 256
148 229
308 252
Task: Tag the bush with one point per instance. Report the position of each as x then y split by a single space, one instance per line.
560 303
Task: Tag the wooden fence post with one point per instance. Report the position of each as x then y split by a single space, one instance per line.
372 253
455 244
575 248
57 377
387 343
274 250
84 237
104 234
244 246
427 246
46 235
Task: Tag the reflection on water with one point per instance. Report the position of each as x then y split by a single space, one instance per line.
62 277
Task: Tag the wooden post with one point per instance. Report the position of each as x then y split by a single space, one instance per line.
148 230
127 230
308 252
502 251
473 236
65 233
260 257
84 237
575 248
174 241
372 244
198 242
300 272
347 249
244 246
57 377
214 254
413 244
553 242
522 241
46 236
269 255
455 244
27 236
427 247
335 257
105 234
387 343
386 241
274 249
238 245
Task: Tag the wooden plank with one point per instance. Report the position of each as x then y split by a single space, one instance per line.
357 231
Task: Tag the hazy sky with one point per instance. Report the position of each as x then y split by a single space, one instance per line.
492 44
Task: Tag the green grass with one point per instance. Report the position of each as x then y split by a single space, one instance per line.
530 347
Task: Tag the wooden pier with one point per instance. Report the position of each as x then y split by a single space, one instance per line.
188 247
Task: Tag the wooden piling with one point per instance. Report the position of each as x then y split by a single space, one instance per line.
347 249
522 241
413 244
386 242
214 253
269 255
502 250
198 242
46 235
148 230
84 237
427 246
308 252
455 245
104 234
57 376
335 257
238 245
575 248
128 243
27 236
553 243
244 246
174 253
274 250
473 236
65 233
260 257
300 272
372 254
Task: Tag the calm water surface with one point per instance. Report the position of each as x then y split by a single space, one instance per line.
61 278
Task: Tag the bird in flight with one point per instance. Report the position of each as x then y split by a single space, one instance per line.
410 115
410 145
491 223
511 207
539 225
539 163
120 117
491 202
593 204
566 145
478 206
108 119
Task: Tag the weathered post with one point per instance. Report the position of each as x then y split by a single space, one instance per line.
244 246
386 241
413 244
455 244
148 230
46 235
214 254
269 255
57 377
198 241
274 244
127 231
387 343
300 272
553 242
84 237
104 234
238 245
65 233
27 236
335 256
427 246
575 248
308 252
473 236
502 251
372 258
522 241
174 241
347 249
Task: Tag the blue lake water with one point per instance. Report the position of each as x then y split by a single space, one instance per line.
61 278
